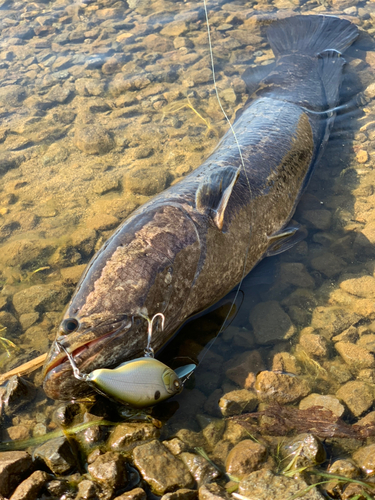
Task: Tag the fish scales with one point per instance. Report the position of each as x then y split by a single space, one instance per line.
190 245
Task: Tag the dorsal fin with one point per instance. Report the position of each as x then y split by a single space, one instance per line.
213 194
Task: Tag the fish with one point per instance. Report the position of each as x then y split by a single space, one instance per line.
188 246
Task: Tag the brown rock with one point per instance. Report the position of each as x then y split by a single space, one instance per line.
93 140
285 362
236 402
328 264
321 219
314 344
296 274
126 436
212 492
175 28
201 470
14 465
332 320
245 457
365 458
17 432
141 181
357 396
110 470
102 222
350 335
326 401
182 494
344 468
361 287
355 356
239 368
270 323
30 488
135 494
280 387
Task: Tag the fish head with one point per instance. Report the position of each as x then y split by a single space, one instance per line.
147 267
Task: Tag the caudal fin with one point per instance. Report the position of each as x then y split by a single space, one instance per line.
311 35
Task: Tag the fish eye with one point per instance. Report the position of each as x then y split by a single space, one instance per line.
69 325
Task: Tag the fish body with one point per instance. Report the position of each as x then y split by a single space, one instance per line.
190 245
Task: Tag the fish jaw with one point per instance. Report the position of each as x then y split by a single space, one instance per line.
107 350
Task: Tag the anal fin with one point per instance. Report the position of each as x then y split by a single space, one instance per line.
213 194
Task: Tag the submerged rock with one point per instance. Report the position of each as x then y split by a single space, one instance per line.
57 455
365 458
126 436
30 488
93 140
109 469
18 393
14 466
326 401
245 457
281 388
304 450
161 470
358 396
270 323
236 402
202 471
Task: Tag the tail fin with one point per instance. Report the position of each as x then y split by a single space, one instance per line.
311 35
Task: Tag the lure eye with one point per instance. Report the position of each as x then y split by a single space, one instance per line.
69 325
176 384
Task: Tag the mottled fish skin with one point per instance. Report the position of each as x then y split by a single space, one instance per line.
172 255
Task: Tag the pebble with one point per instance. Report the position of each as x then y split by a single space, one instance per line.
332 320
240 367
355 356
160 469
344 468
358 396
305 450
328 264
93 140
57 455
14 466
135 494
237 402
212 492
30 488
245 457
41 298
328 402
281 388
110 470
296 274
17 432
126 436
182 494
365 458
142 181
270 323
314 344
18 393
201 470
361 156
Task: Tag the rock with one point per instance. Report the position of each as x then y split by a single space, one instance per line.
175 29
280 387
18 392
314 344
285 362
212 492
160 469
328 264
320 219
30 488
296 274
326 401
14 466
213 431
64 415
28 319
365 458
57 455
237 402
17 432
355 356
344 468
367 341
202 471
350 335
84 240
93 140
126 436
26 253
270 323
245 457
135 494
41 298
71 275
175 446
110 470
264 485
142 181
305 450
361 156
182 494
102 222
12 95
240 367
191 438
361 287
88 490
332 320
357 396
8 320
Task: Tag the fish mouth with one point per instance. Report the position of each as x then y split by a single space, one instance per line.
106 350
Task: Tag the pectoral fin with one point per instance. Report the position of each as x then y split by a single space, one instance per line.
213 194
285 239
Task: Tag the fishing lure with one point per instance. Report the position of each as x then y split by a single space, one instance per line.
140 382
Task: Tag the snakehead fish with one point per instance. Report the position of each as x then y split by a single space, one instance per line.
190 245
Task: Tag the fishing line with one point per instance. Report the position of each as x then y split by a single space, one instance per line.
222 328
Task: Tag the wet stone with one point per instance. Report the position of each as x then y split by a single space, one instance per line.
328 264
280 387
71 275
202 471
365 458
175 446
19 392
296 274
357 395
344 468
326 401
8 320
213 431
102 222
264 485
314 344
142 181
14 466
93 140
126 436
16 432
355 356
285 362
362 287
87 490
237 402
65 414
135 494
305 449
182 494
350 335
245 457
160 469
320 219
57 455
110 470
12 95
30 488
239 368
332 320
28 319
270 323
212 492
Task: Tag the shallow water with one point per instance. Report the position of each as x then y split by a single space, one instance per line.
105 104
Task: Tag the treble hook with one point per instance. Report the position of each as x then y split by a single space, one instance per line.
149 352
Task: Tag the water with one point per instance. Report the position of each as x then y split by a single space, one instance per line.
102 106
